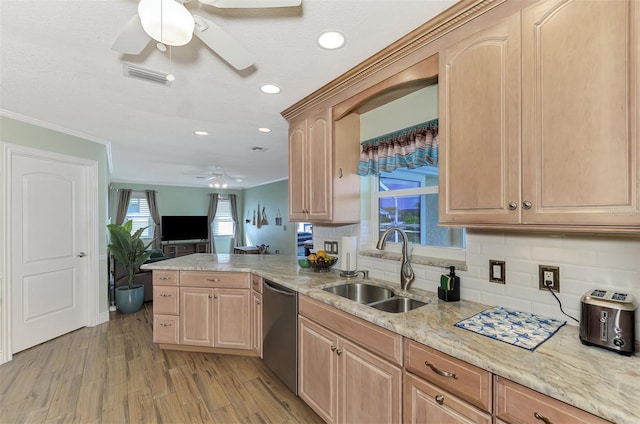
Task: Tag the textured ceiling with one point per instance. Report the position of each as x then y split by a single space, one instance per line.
57 70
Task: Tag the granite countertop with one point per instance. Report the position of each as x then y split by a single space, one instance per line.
601 382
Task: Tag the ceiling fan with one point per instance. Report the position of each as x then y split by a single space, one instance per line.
169 22
218 177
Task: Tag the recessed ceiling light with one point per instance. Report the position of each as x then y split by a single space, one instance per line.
201 133
270 89
331 40
264 130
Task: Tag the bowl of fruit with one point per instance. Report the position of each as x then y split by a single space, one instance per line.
321 262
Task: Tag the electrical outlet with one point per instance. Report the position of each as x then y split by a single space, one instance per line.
497 270
549 276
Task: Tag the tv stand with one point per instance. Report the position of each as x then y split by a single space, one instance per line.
174 249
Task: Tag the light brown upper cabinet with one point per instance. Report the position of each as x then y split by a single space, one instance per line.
539 115
323 161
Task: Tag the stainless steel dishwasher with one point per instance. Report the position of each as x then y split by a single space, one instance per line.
280 332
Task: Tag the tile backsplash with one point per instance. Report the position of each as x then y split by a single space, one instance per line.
585 261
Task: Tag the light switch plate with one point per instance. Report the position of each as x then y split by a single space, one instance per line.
497 271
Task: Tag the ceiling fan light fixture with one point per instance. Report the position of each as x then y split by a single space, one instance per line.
331 40
166 21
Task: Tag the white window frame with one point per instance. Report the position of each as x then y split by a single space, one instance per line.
141 196
452 253
224 217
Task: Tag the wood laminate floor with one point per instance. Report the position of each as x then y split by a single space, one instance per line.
113 373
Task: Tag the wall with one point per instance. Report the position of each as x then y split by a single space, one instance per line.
585 261
29 135
272 196
176 200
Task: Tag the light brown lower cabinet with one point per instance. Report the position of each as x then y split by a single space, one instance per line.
256 333
341 380
429 404
516 404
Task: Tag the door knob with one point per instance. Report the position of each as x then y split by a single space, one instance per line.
82 255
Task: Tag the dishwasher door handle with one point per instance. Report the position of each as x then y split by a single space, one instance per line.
271 288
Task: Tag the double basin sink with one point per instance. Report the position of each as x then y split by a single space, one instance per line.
376 297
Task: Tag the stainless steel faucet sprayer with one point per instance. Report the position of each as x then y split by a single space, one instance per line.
406 272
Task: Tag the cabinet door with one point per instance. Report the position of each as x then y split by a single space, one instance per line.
196 316
580 109
298 169
425 403
232 318
320 165
480 127
256 333
318 369
369 388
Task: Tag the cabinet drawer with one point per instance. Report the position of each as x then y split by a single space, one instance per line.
469 382
370 336
256 283
163 277
427 403
166 329
237 280
519 404
166 300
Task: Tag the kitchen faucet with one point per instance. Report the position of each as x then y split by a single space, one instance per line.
406 272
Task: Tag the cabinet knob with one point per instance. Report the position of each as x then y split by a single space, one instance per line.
542 418
258 302
333 348
526 204
512 206
439 399
209 296
340 174
339 352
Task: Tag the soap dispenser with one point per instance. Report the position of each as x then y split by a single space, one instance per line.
449 289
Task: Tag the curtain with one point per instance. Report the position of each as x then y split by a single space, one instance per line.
155 216
124 195
234 215
213 207
410 147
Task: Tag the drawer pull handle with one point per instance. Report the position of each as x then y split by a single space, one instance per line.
165 295
215 280
166 278
162 324
542 418
440 372
440 399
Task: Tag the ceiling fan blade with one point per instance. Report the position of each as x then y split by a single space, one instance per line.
251 4
132 39
222 43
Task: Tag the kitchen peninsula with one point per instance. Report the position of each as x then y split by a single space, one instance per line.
597 381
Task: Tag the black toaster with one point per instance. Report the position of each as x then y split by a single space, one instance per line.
607 320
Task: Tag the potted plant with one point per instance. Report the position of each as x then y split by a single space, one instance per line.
130 252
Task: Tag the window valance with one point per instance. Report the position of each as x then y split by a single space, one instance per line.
410 147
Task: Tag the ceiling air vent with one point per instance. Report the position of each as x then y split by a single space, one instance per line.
134 71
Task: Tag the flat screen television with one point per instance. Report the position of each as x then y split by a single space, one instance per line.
184 228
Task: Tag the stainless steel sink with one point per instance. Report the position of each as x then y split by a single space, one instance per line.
361 292
398 305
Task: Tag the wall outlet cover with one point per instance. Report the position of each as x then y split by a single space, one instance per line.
497 270
549 273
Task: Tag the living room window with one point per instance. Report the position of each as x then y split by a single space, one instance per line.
223 222
138 212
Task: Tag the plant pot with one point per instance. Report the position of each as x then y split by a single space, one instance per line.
129 301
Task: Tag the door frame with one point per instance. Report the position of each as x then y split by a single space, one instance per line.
90 168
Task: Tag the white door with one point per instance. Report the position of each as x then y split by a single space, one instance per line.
48 240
